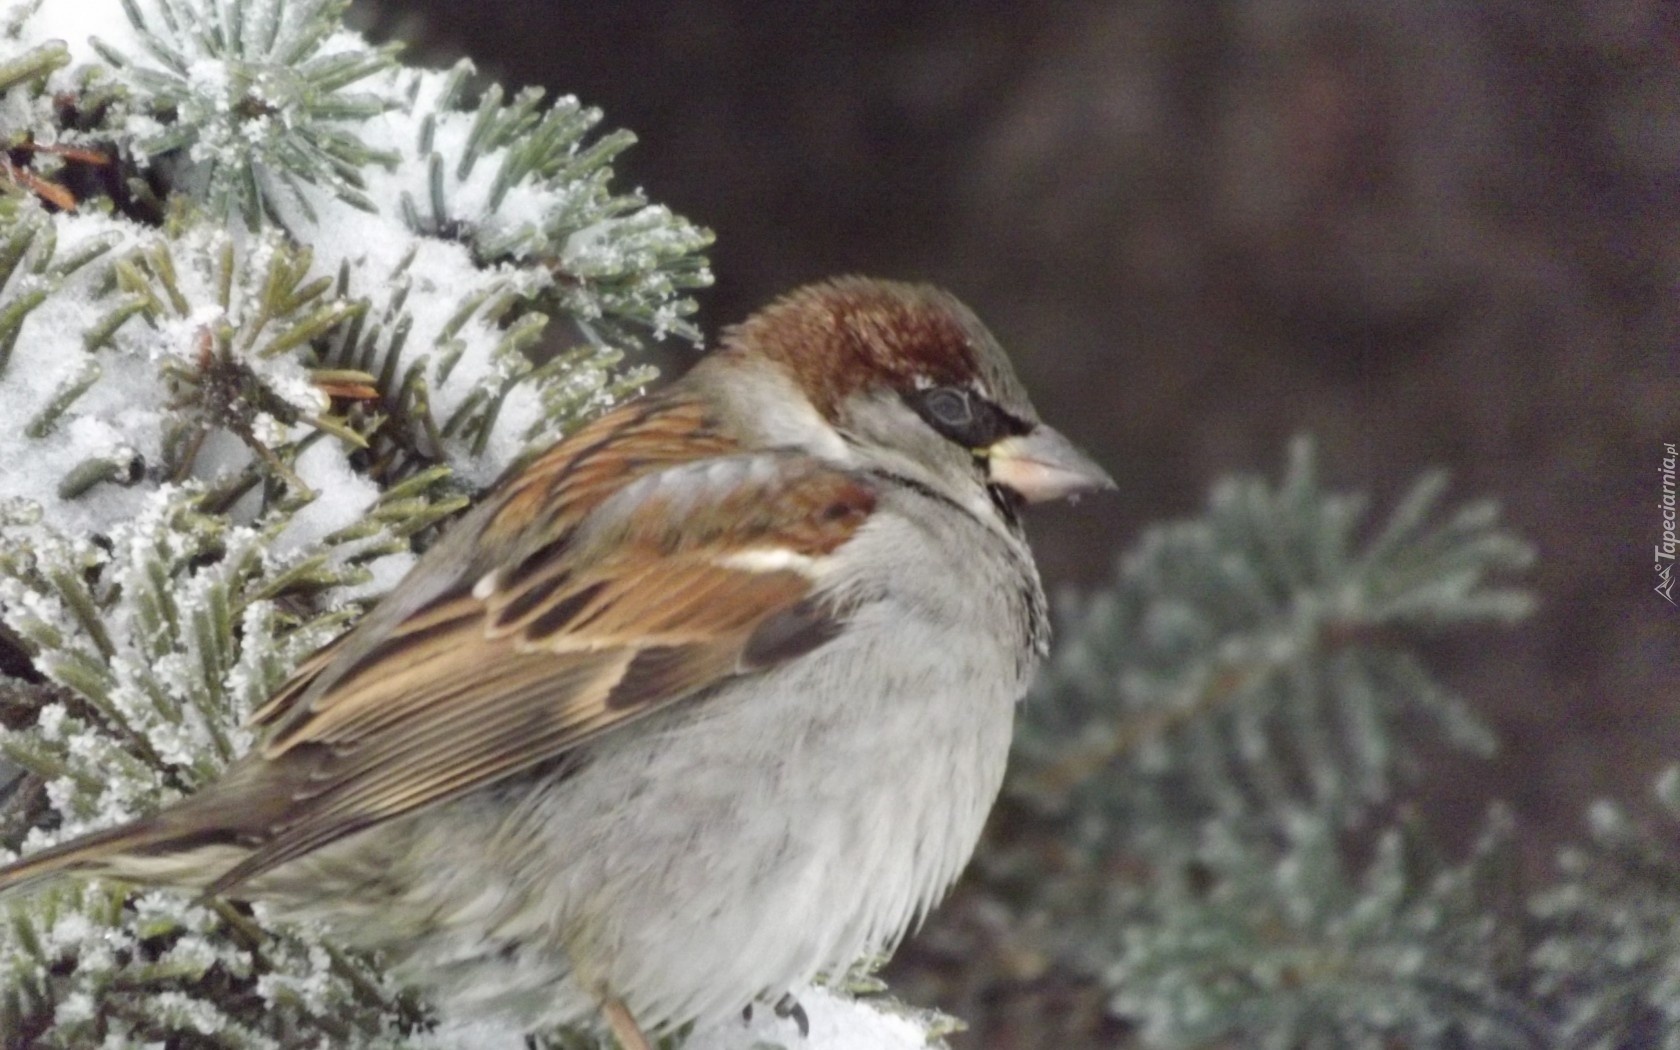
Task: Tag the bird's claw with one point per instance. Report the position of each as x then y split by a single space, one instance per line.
787 1006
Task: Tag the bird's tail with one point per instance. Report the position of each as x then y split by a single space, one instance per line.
150 851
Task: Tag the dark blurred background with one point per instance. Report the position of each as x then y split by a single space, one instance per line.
1426 232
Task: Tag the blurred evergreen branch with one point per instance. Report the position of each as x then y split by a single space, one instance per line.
1279 944
1225 849
1608 958
1264 658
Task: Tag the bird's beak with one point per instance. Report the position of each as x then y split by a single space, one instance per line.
1043 465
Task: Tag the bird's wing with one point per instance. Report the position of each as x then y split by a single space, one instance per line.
635 596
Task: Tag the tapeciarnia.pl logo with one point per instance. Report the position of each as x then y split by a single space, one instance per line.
1666 549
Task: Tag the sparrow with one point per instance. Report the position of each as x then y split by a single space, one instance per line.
708 699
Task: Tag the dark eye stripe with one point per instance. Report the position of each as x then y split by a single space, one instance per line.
964 416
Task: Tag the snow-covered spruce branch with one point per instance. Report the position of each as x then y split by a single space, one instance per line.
272 306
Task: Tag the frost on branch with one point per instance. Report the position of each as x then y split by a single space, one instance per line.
521 182
427 339
1284 946
271 308
1609 955
251 100
152 645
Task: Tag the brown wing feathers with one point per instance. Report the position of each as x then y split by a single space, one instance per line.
615 615
638 563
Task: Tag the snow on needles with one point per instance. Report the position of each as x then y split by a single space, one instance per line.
451 286
225 414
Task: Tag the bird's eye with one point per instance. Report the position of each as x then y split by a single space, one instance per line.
948 408
963 416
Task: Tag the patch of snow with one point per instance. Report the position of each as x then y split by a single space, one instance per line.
76 23
342 496
117 417
837 1023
